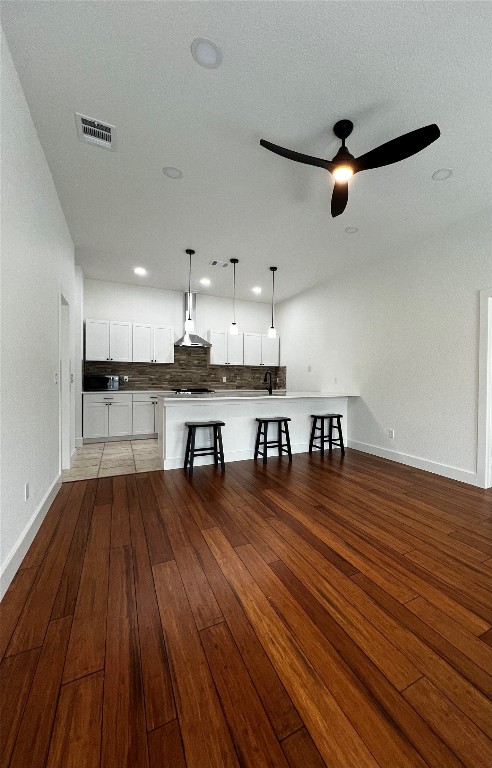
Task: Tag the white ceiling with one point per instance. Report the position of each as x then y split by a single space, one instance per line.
290 70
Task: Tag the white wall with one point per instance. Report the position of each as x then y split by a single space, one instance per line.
404 333
136 304
37 265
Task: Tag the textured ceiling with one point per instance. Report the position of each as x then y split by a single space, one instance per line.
290 70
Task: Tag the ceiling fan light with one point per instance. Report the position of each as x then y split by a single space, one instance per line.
343 173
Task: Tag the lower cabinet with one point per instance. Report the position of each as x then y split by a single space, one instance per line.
107 415
144 414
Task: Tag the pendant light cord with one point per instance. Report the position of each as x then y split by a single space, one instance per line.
234 262
189 291
273 294
273 270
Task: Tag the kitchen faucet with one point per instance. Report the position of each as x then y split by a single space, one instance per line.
268 374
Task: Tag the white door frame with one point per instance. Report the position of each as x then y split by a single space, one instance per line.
64 374
484 443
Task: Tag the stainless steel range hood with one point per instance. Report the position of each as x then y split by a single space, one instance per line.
191 339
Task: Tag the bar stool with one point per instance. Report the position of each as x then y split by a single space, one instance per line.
323 437
216 450
282 429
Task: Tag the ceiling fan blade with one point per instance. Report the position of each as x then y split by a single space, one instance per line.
339 198
297 156
398 149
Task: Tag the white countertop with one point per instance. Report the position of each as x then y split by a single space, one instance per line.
250 395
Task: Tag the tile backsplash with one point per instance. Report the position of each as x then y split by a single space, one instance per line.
191 368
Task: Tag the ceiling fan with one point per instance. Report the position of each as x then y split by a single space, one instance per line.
344 165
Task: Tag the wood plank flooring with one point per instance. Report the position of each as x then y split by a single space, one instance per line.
332 612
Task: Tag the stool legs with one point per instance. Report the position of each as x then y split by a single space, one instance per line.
257 442
340 436
192 450
313 430
221 448
188 444
287 440
265 441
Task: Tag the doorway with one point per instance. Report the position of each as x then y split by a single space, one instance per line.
484 454
64 383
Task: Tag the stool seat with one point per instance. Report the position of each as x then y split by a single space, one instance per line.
318 432
275 419
216 450
282 423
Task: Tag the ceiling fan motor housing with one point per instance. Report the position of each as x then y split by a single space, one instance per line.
343 129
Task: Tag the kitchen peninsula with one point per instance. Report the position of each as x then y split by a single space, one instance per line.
239 411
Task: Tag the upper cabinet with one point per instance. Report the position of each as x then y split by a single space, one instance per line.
153 343
260 349
120 341
270 350
108 340
163 344
128 342
252 349
225 349
235 349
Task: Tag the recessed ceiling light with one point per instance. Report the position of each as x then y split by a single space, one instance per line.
351 230
204 281
442 174
172 172
140 271
256 289
206 53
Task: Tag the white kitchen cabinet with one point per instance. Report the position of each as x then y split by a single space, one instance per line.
107 415
95 419
143 343
163 344
120 341
144 414
153 343
252 349
270 351
235 349
108 340
97 340
218 350
226 349
119 419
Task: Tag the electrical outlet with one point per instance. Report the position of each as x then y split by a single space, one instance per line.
309 369
125 378
26 491
391 433
224 379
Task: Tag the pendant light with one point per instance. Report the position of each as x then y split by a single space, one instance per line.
272 332
233 329
189 324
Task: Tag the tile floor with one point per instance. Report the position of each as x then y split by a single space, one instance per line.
119 458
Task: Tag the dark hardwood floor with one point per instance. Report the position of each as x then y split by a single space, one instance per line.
332 612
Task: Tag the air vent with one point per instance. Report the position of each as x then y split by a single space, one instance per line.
93 131
215 263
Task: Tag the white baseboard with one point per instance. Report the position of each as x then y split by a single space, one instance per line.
19 550
462 475
79 442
